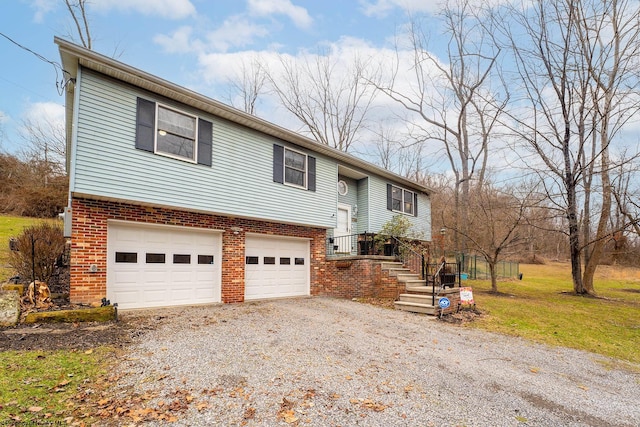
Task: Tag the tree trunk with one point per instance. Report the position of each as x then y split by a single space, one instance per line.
605 214
494 279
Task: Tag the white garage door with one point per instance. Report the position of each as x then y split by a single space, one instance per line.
276 267
157 266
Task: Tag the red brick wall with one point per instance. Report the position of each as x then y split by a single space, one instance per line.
89 244
358 278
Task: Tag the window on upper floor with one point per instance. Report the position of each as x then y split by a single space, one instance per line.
174 133
294 168
402 200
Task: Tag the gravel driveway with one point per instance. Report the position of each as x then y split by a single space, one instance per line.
328 362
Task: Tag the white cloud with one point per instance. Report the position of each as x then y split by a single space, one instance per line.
171 9
3 117
382 7
42 7
178 42
236 31
297 14
45 112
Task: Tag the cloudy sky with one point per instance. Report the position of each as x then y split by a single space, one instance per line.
194 43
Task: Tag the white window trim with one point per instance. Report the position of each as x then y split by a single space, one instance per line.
413 201
284 169
195 139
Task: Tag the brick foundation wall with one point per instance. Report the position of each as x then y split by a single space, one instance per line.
89 244
358 278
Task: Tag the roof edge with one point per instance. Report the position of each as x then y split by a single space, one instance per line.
74 56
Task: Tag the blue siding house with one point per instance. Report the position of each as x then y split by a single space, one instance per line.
176 198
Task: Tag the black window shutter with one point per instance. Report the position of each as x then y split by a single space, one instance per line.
145 124
311 184
278 163
415 204
389 199
205 135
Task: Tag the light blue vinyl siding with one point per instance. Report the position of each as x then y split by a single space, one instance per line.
351 198
421 224
239 182
363 205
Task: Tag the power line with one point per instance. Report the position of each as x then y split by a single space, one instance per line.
61 83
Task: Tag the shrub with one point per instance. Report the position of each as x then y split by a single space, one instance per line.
39 248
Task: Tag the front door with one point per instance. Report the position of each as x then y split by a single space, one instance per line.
343 230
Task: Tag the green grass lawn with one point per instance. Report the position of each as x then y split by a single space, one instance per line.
11 226
541 308
40 387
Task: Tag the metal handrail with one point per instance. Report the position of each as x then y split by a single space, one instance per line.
414 260
437 277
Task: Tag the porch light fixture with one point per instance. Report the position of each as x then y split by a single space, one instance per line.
355 210
236 230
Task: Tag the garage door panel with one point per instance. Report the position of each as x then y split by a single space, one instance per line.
126 297
155 296
279 279
176 281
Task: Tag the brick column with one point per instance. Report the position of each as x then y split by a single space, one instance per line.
88 248
233 245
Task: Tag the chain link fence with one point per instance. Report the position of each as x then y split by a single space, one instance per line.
477 268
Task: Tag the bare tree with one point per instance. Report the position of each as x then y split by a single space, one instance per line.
247 85
579 70
609 31
331 100
44 147
495 224
78 11
453 100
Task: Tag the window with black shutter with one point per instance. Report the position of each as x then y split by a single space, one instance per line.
294 168
170 132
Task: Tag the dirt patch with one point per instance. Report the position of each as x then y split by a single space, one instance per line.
633 291
78 336
462 316
64 336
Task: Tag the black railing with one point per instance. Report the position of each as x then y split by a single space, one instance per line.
411 258
342 245
439 276
442 275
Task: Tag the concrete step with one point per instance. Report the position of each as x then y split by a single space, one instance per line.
388 265
395 272
417 298
407 277
415 283
423 290
416 307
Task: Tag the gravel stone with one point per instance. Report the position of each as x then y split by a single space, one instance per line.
330 362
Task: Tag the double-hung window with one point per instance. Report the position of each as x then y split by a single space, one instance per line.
176 135
294 168
173 133
401 200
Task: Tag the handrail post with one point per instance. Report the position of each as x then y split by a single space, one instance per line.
433 292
